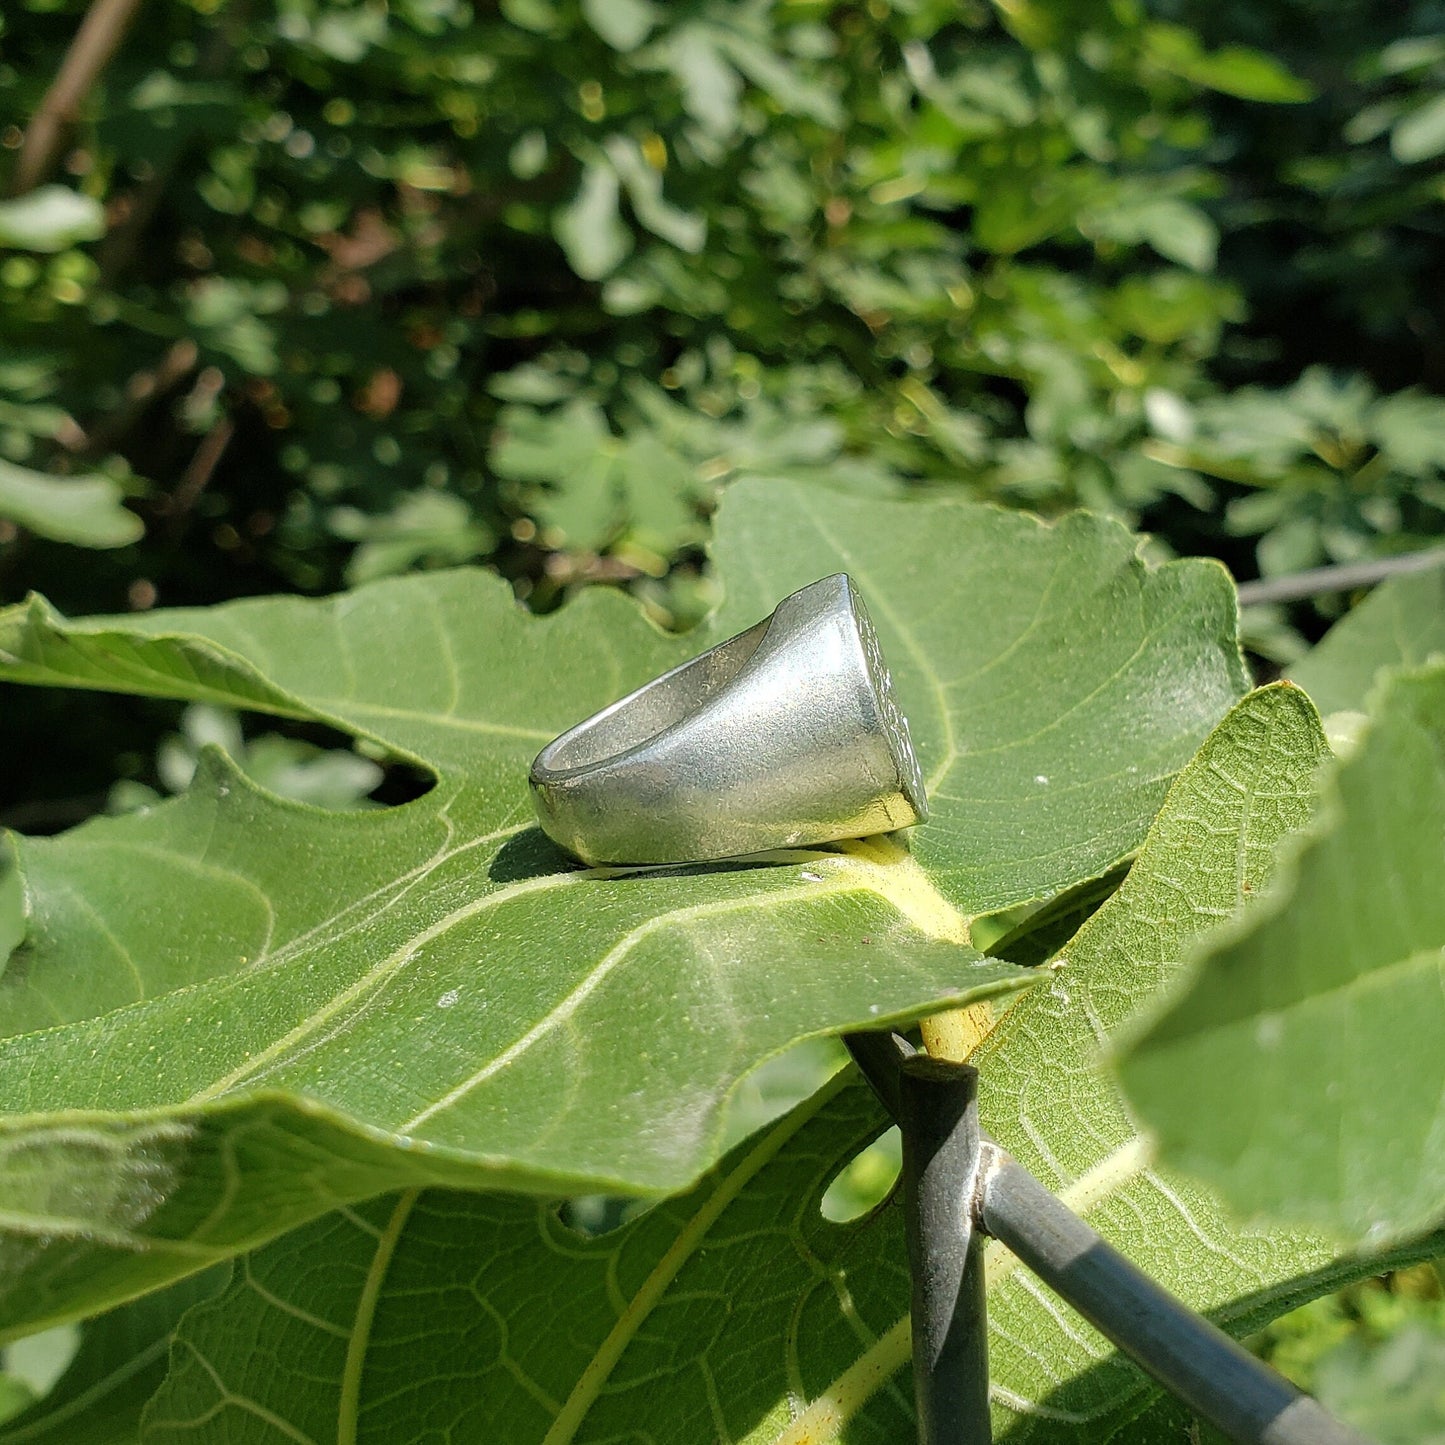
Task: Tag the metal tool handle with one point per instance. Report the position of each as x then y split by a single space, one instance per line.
958 1184
938 1118
1216 1377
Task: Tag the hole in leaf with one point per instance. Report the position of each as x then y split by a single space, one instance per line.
118 754
74 750
304 762
595 1214
36 1362
865 1181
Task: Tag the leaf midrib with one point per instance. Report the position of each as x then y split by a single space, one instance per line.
348 1407
342 707
378 974
649 1294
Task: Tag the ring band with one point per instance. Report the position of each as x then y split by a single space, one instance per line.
784 736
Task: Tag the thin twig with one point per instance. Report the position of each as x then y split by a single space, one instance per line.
199 470
137 209
1343 578
144 387
100 34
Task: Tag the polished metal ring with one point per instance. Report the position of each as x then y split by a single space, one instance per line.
784 736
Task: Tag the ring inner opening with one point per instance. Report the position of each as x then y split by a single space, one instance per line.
657 706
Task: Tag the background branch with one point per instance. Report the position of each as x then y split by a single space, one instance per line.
1344 578
97 40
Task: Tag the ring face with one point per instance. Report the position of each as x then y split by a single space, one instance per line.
784 736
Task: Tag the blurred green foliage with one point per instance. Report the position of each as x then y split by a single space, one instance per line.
335 778
1374 1354
312 291
331 289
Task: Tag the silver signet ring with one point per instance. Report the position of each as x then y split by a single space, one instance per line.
784 736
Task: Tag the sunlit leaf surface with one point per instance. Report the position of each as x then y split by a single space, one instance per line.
434 988
736 1312
1303 1068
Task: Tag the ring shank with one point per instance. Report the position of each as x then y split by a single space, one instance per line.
783 736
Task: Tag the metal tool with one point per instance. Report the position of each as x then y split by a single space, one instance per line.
958 1186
